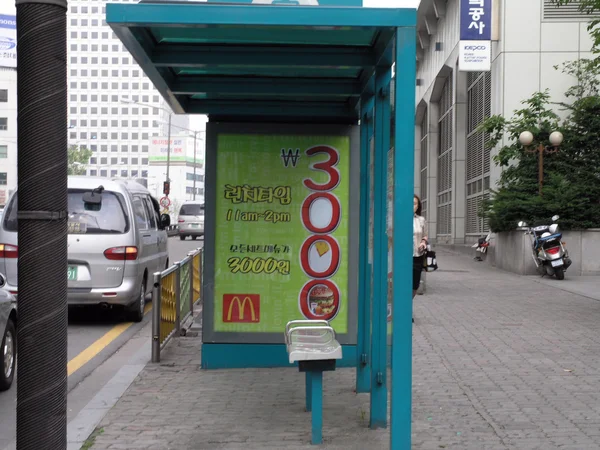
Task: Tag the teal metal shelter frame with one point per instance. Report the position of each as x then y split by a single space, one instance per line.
309 64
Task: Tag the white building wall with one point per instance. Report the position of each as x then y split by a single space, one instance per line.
433 61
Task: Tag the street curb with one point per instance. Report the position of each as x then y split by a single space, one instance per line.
86 421
84 424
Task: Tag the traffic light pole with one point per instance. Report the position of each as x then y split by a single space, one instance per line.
42 224
168 153
195 140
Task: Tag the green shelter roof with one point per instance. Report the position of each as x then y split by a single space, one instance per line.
259 62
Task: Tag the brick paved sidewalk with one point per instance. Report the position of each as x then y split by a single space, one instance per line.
500 362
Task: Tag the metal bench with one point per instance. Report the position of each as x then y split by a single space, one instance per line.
312 344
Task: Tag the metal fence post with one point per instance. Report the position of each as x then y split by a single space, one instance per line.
191 271
156 300
201 290
178 299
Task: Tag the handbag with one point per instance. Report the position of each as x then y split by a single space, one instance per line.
430 260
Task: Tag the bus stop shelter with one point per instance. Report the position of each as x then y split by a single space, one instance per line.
302 69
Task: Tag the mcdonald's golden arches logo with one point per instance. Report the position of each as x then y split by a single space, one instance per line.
247 308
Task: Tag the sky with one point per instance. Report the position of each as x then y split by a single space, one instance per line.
391 3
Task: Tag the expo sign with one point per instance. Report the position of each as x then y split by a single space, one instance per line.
320 254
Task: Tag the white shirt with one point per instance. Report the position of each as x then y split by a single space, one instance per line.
419 232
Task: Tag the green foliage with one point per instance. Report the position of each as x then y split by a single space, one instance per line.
79 158
571 175
586 73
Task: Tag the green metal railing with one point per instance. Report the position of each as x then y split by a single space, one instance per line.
175 292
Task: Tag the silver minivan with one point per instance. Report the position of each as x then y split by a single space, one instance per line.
191 220
117 240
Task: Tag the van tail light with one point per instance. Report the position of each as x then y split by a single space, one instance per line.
121 253
9 251
553 250
180 221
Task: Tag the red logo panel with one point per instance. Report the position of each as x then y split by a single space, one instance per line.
241 308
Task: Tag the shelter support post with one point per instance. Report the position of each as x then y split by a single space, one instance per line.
401 386
379 398
363 342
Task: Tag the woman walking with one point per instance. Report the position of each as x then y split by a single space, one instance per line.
419 243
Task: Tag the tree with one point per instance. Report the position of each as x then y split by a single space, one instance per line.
79 157
592 8
572 175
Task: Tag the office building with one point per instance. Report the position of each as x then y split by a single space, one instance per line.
114 109
454 172
8 102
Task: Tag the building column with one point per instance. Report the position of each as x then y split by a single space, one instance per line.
417 168
459 207
433 142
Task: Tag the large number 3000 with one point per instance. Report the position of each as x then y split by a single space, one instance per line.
321 192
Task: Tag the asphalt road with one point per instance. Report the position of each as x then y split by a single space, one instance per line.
94 336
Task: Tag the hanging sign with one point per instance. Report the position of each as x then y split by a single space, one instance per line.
475 20
475 47
281 250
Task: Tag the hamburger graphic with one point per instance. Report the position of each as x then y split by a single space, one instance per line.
321 300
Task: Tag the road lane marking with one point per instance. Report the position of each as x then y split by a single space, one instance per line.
100 344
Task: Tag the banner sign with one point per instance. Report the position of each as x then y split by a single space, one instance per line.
475 47
475 20
8 41
160 145
281 246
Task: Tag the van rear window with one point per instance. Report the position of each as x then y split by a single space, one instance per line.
107 218
192 210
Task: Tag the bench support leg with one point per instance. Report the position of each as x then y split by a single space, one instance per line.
316 391
308 391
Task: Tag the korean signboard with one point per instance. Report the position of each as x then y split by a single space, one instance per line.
8 40
160 145
281 246
475 52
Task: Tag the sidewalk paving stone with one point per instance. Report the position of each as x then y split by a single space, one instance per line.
499 362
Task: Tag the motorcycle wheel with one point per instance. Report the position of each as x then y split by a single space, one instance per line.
560 273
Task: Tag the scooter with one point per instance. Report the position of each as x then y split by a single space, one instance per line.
481 247
549 252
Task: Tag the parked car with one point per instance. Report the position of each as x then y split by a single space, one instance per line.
191 220
117 240
8 335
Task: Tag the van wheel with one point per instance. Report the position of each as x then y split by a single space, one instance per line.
8 356
136 310
194 238
182 238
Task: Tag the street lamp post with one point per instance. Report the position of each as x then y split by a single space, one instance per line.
168 154
195 143
526 139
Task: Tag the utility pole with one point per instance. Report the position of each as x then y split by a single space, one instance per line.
195 139
42 224
168 151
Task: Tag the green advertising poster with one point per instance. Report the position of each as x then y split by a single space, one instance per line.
282 232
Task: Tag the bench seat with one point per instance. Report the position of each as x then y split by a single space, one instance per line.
312 344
